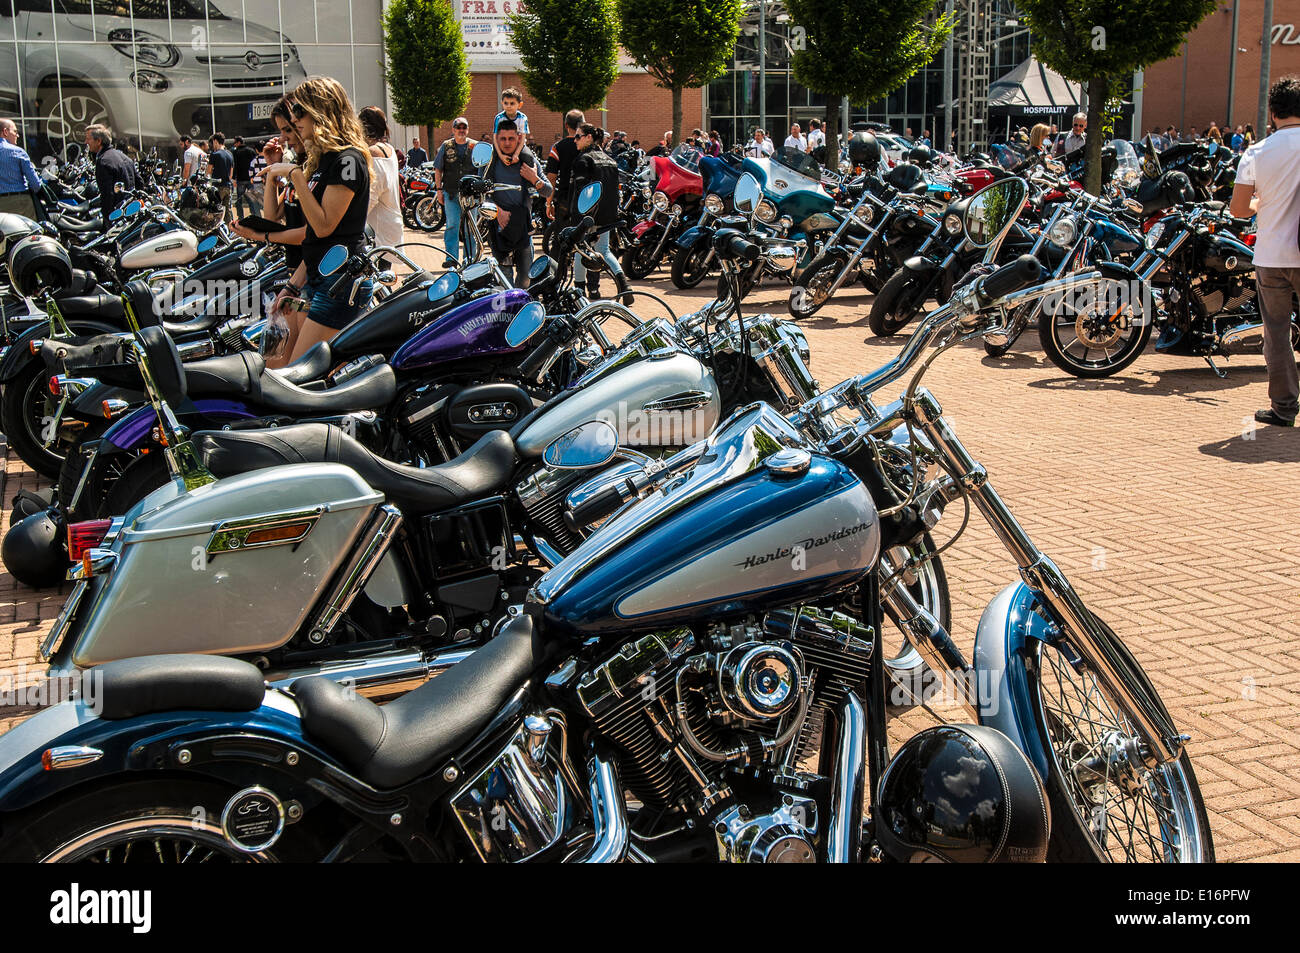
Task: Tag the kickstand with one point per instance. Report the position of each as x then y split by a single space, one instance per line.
1214 367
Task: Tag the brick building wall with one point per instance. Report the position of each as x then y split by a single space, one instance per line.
634 104
1204 99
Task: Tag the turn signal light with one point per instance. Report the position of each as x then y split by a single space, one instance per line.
54 386
85 536
277 534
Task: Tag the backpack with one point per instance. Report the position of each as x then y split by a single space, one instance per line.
596 165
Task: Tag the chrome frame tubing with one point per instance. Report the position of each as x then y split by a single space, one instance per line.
873 232
668 227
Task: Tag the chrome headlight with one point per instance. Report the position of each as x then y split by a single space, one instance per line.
488 210
144 48
660 201
786 223
766 211
677 210
713 203
864 213
782 256
1063 232
1153 236
645 192
952 223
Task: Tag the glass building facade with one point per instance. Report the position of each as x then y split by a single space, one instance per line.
153 70
733 100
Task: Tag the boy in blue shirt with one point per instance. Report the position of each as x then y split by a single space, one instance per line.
510 100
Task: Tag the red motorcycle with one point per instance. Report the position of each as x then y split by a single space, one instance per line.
420 207
674 207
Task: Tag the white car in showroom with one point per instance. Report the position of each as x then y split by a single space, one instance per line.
151 70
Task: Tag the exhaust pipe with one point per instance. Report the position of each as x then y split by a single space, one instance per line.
378 676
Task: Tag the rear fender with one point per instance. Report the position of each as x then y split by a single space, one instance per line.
132 430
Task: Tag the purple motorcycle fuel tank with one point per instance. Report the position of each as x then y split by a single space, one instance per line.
475 329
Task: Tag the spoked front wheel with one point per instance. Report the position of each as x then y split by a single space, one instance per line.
1095 342
1108 803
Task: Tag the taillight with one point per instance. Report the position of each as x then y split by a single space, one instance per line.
85 536
54 386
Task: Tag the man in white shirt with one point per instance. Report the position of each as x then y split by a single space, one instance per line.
760 146
1268 185
816 138
796 139
192 158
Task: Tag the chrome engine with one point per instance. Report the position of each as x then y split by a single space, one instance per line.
713 730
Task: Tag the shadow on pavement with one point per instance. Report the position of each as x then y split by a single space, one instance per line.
1264 444
1194 383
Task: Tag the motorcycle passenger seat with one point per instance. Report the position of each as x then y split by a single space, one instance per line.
311 366
92 306
231 375
152 683
484 468
66 223
143 303
392 745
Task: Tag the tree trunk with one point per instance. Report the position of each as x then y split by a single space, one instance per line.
1097 98
832 130
677 118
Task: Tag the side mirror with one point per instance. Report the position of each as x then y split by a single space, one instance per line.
444 287
114 215
747 195
992 211
207 243
133 209
588 198
333 259
481 154
588 445
526 322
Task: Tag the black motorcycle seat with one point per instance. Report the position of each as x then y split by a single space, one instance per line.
485 467
66 223
198 324
102 305
310 367
245 375
151 683
388 746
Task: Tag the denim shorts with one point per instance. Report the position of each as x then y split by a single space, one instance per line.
334 312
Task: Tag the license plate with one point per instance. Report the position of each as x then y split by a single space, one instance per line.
260 110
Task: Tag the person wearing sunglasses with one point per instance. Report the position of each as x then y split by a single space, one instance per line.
452 162
333 190
1075 138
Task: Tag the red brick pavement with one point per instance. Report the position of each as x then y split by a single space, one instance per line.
1175 520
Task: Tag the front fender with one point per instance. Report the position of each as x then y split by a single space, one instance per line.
1009 623
644 228
19 352
692 235
921 265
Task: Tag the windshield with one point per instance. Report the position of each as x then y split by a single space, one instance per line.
799 161
1008 154
688 157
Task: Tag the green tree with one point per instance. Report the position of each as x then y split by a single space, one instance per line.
862 49
1099 43
569 50
426 69
681 43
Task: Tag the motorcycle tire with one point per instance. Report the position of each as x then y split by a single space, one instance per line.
1075 815
103 475
690 265
156 821
1060 354
903 662
809 292
640 260
25 413
429 214
139 478
896 305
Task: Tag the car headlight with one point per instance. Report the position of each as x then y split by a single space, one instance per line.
713 203
952 223
1153 236
144 48
1063 232
660 201
148 81
864 213
766 211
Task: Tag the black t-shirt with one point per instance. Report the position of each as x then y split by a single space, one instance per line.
244 157
560 164
293 218
347 168
222 162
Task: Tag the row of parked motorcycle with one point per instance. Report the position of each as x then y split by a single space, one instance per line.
673 589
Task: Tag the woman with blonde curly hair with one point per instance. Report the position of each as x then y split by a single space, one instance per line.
1037 135
333 189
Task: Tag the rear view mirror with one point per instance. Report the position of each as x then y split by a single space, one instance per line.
541 268
527 322
588 198
747 195
207 243
481 154
444 287
114 215
133 208
333 259
589 445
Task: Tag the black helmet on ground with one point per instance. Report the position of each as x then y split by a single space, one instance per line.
33 551
962 794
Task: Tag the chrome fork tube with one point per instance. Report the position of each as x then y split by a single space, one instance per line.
1044 577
